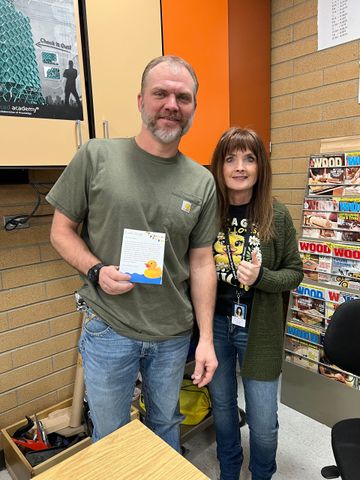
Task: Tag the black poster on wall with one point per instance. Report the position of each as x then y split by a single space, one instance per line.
39 63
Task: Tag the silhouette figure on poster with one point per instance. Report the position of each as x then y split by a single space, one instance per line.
70 86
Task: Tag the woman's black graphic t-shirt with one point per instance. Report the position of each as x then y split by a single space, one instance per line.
238 230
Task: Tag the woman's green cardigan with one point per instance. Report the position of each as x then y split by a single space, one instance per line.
281 271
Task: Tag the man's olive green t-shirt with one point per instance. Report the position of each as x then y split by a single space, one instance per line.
113 184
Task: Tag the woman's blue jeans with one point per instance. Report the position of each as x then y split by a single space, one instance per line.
260 403
111 365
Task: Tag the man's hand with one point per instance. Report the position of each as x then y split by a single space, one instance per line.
114 282
248 272
205 364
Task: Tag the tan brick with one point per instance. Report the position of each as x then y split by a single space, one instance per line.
41 311
23 336
17 195
282 103
16 414
296 117
300 165
281 166
48 252
26 374
341 109
297 225
341 73
45 176
45 348
288 181
281 135
5 362
282 70
65 323
65 286
65 359
7 401
45 385
25 208
282 37
65 392
3 322
15 257
297 83
295 14
297 196
32 236
325 94
295 149
338 128
283 196
280 5
19 297
326 58
356 126
32 274
293 50
306 28
295 211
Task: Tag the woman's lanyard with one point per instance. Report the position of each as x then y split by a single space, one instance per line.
231 260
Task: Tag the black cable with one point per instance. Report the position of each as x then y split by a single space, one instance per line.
18 220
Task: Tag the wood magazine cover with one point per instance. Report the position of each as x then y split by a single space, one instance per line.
334 174
302 353
310 298
333 263
337 218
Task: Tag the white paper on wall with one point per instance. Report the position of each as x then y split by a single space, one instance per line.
338 22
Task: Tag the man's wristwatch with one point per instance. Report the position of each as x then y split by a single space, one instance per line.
93 273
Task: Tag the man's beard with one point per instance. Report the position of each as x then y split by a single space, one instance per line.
165 135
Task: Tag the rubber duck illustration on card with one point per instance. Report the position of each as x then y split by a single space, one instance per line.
152 269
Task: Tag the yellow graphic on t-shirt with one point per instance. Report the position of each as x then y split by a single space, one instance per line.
236 243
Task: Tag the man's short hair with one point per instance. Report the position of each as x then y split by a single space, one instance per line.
171 60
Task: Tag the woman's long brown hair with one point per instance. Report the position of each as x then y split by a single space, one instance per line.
260 210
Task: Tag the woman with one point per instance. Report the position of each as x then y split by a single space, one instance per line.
256 260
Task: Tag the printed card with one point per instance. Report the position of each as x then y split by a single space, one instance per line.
142 256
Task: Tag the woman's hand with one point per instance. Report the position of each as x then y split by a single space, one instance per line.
248 272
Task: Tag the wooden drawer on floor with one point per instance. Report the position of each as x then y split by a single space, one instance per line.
16 463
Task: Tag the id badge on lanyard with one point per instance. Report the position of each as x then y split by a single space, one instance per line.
239 310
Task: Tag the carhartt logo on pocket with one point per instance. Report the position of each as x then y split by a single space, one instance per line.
186 206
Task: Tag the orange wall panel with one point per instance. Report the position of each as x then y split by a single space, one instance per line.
197 30
249 53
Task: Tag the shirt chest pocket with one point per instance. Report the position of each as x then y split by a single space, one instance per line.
182 213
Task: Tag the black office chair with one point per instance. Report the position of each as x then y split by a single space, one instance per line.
342 348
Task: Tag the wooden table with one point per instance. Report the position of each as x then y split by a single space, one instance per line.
131 453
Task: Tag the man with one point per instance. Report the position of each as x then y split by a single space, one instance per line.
142 183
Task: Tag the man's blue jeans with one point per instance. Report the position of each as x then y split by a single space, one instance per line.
111 365
260 403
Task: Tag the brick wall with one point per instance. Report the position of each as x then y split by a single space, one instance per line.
313 96
39 327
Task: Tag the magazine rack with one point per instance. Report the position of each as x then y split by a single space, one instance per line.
330 251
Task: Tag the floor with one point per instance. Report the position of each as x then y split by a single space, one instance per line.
304 448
